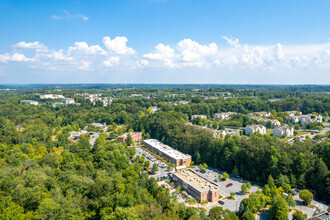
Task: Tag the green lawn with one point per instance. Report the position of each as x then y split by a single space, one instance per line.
269 131
301 133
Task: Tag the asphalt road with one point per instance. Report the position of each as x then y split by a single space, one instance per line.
325 130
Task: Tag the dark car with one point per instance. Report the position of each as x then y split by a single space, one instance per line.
221 202
229 184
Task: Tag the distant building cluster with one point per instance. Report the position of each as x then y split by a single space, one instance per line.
65 102
261 114
304 119
51 96
274 122
198 116
293 113
183 102
216 133
29 102
96 97
223 115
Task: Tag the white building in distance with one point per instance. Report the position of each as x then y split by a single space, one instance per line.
154 109
274 122
261 114
223 115
68 101
29 102
51 96
305 119
284 130
293 119
198 116
293 113
250 129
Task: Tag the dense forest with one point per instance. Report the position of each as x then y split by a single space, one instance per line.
44 175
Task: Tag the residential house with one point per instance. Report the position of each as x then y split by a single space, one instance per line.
198 116
250 129
274 122
136 137
223 115
284 130
58 104
310 118
216 133
293 119
154 109
261 114
68 101
293 113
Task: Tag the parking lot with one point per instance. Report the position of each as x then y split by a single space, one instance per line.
162 167
233 205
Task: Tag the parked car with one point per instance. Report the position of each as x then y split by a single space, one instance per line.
221 202
229 185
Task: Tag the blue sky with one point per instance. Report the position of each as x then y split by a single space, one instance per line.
165 41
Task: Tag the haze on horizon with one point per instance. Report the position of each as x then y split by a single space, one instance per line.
165 41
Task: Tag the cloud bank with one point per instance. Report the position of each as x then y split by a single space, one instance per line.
114 53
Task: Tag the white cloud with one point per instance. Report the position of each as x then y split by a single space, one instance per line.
144 62
111 61
84 65
191 51
231 41
18 57
32 45
58 56
82 47
279 54
67 16
162 53
186 53
4 58
118 45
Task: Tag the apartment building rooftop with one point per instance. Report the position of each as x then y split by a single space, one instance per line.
132 134
166 149
196 181
255 126
283 127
